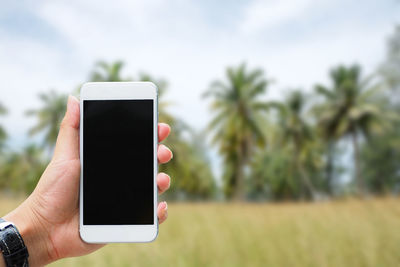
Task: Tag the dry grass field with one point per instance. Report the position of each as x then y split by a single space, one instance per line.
341 233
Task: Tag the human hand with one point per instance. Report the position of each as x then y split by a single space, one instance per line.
48 219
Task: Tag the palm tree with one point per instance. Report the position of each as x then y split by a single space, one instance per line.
190 161
351 108
162 85
329 137
104 72
297 135
236 126
49 116
107 72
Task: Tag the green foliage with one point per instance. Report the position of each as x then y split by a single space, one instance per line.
107 72
21 170
237 122
297 163
189 169
290 167
380 156
381 163
352 107
271 178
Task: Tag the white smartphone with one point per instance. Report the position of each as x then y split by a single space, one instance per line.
118 154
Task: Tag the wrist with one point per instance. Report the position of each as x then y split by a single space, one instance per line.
34 234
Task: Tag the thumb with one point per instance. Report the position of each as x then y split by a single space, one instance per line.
67 146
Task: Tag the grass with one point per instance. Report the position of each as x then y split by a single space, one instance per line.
341 233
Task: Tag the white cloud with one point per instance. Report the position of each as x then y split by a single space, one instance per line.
28 67
100 28
261 14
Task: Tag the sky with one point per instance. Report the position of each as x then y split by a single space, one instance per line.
54 45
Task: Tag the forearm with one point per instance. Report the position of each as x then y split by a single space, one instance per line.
33 233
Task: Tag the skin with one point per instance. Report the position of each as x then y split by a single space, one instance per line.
48 219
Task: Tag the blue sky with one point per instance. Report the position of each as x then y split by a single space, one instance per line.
54 44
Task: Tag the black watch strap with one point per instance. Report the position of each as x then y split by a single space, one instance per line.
12 245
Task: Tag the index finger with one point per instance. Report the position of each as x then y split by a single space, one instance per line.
163 131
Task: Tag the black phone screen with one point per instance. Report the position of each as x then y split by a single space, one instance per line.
118 162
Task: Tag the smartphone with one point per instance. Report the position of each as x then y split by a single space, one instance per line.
118 154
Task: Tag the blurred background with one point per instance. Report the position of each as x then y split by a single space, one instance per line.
285 121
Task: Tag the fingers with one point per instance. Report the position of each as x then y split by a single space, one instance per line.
162 212
163 131
164 154
163 182
67 146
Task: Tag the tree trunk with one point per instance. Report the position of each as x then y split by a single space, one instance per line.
304 177
239 185
238 194
329 167
307 182
357 173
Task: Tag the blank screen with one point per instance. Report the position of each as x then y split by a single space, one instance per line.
118 162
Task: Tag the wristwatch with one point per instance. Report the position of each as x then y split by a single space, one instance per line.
12 245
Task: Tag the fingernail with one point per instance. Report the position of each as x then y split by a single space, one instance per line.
71 99
165 208
169 181
162 205
167 148
69 102
169 127
165 124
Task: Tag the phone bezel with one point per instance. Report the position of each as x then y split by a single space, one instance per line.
119 233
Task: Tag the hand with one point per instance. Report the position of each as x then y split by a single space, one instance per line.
49 218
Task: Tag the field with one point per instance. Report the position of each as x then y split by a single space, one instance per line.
341 233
